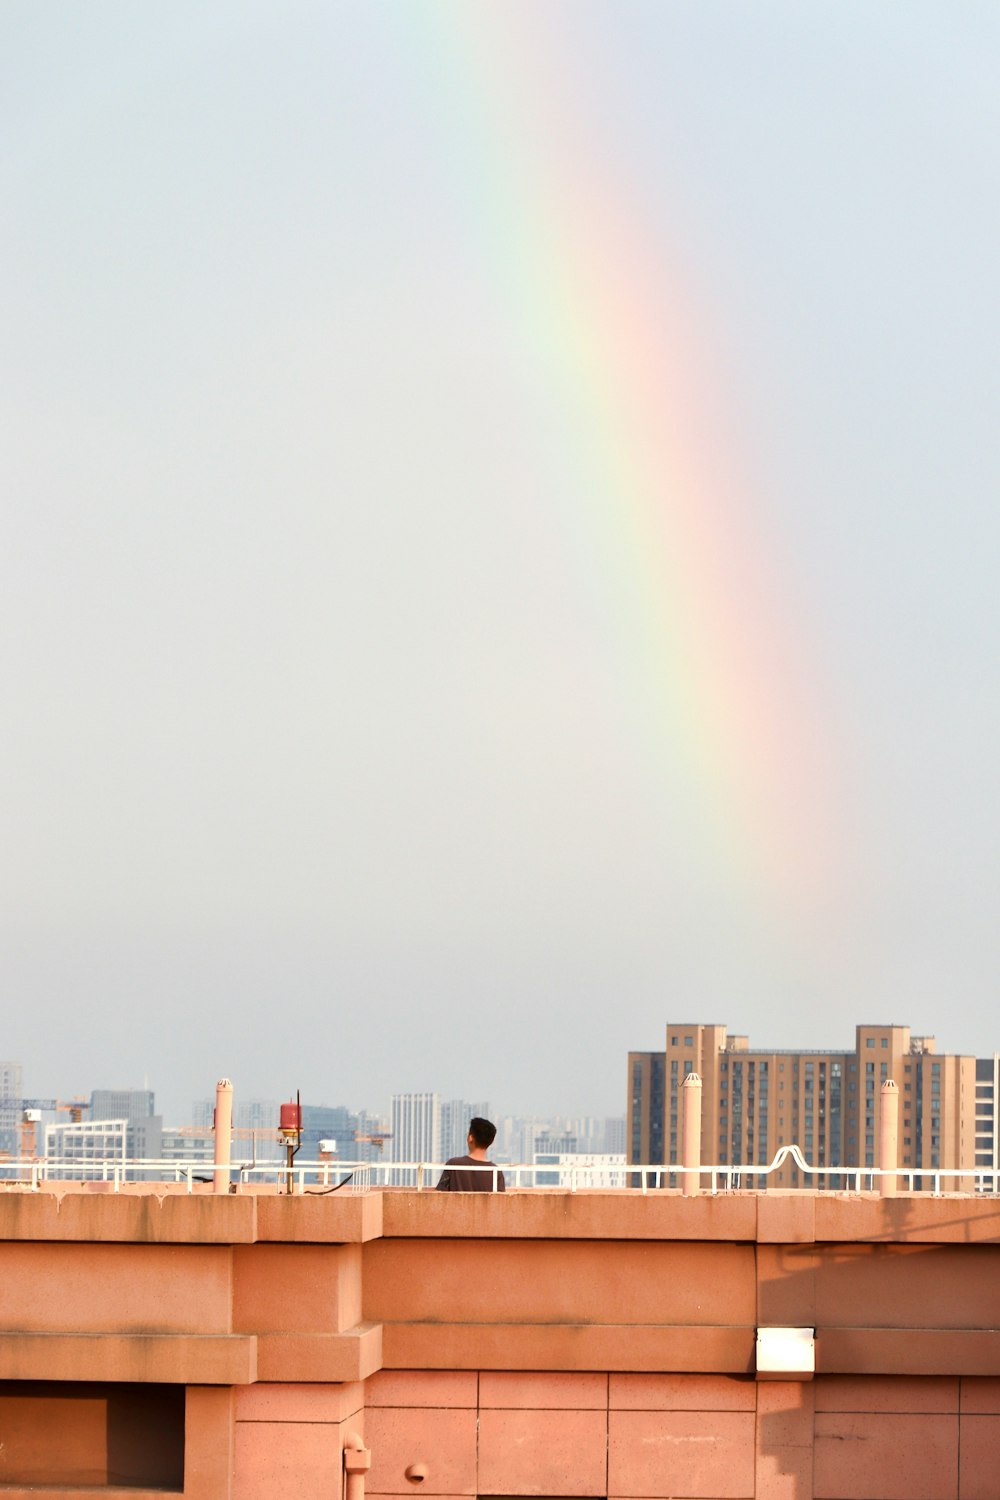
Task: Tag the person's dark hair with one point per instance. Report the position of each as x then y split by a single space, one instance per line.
483 1132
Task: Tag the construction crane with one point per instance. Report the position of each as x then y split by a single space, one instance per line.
75 1106
31 1117
377 1138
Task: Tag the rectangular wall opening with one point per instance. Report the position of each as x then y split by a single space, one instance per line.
102 1434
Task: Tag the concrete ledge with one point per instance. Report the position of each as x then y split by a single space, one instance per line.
907 1351
612 1347
591 1215
331 1219
76 1492
173 1359
301 1357
130 1217
150 1213
913 1217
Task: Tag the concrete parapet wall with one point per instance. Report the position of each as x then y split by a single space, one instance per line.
584 1344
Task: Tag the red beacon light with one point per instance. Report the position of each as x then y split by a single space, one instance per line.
290 1132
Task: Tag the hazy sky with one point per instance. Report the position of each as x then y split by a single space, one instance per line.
500 538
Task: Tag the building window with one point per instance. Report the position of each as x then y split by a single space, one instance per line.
885 1041
674 1041
870 1042
689 1041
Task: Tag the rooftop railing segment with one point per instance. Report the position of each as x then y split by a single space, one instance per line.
321 1177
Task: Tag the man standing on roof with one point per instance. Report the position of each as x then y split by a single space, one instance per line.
482 1134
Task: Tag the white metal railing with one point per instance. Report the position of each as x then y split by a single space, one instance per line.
360 1177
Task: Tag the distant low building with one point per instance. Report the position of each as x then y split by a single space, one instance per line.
186 1146
574 1169
87 1149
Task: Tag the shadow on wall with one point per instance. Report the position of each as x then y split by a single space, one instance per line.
913 1317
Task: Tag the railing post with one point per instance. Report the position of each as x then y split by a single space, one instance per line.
691 1134
223 1134
888 1139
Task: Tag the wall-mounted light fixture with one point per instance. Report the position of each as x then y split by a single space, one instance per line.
786 1353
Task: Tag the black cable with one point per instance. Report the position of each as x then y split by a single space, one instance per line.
322 1192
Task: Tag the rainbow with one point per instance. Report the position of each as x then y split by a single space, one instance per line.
720 678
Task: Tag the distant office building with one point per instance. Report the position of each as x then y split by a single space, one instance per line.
136 1107
416 1127
11 1104
828 1103
322 1122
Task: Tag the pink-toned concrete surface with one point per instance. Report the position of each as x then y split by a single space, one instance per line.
591 1344
892 1455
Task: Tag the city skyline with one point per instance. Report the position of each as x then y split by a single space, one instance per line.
346 1122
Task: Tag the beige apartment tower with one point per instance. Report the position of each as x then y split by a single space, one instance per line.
827 1103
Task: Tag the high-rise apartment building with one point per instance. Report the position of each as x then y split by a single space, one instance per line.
416 1127
455 1117
827 1103
256 1114
11 1096
987 1113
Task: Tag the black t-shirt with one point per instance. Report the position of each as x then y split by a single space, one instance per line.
457 1181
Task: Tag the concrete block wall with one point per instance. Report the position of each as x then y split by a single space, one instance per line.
570 1345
